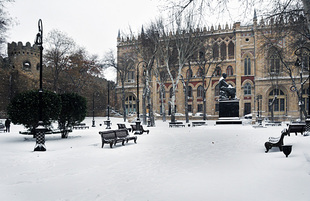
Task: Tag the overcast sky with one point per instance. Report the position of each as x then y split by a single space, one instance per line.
92 24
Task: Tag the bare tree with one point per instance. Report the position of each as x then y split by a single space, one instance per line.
59 48
5 22
123 65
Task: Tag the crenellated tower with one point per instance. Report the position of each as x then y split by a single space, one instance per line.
25 58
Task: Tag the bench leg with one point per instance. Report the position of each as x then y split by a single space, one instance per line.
268 146
111 144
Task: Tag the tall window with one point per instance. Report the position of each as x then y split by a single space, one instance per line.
229 71
171 90
189 74
217 90
277 101
223 51
215 51
305 98
231 50
190 91
218 72
130 104
199 72
200 92
274 63
247 89
131 76
247 66
173 74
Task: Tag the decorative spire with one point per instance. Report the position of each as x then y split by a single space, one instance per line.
255 16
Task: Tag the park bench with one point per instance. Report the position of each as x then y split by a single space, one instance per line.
275 123
110 138
134 128
295 128
80 126
176 124
124 134
2 127
276 141
123 126
198 123
64 134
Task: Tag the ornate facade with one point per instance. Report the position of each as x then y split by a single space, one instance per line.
249 69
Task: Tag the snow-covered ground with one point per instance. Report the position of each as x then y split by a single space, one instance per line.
218 163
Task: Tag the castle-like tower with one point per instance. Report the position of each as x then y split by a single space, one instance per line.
25 58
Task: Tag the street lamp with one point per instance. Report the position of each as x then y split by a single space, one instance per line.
108 120
138 122
40 130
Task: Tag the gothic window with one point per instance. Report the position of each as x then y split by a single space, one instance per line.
216 90
247 66
199 72
202 54
189 74
247 89
190 92
215 51
200 92
131 76
277 101
274 62
218 72
231 50
223 51
229 71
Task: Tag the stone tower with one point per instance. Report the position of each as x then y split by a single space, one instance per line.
25 58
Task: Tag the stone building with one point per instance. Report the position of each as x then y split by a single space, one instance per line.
19 72
250 67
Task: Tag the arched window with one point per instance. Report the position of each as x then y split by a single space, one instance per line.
247 89
215 51
274 63
217 90
199 72
131 76
231 50
189 73
229 71
27 65
223 51
190 91
218 72
277 101
200 92
247 66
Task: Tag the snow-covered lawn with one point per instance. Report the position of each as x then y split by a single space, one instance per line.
216 163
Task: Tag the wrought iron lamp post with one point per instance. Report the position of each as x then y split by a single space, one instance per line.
108 120
94 125
138 122
40 130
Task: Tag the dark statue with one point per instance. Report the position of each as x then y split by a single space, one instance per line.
227 92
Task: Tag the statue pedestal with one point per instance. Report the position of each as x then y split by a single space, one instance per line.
229 112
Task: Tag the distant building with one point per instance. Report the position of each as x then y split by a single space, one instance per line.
249 68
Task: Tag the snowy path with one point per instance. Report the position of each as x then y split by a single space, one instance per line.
221 163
